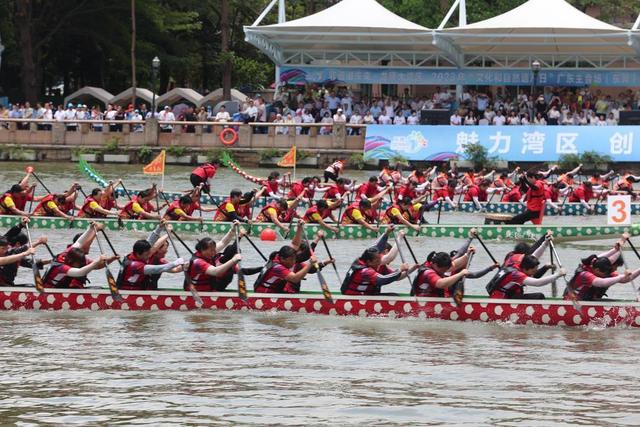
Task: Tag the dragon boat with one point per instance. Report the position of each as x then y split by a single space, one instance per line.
550 312
353 231
567 209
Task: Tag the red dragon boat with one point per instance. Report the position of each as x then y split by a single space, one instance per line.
551 312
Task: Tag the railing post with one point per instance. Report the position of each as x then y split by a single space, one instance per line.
339 136
151 131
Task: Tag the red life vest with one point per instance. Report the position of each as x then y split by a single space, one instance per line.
444 193
131 276
43 209
388 218
581 193
347 217
272 186
264 217
475 191
200 279
222 214
56 276
582 285
3 208
127 211
511 284
308 215
406 191
205 171
334 191
270 279
86 210
367 190
296 189
360 280
171 211
513 196
424 284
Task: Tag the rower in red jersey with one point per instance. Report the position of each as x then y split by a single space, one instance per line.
337 190
360 212
513 196
178 210
228 210
68 270
447 193
203 174
568 178
552 195
369 189
206 269
137 272
92 206
319 212
278 272
10 199
51 205
407 190
403 212
140 206
510 281
432 279
272 185
301 188
477 193
535 200
583 195
596 274
273 212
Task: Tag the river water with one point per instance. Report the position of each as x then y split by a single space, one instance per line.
176 368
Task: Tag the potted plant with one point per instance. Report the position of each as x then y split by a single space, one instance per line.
89 156
17 152
113 152
179 155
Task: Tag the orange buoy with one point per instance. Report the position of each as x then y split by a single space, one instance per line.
268 235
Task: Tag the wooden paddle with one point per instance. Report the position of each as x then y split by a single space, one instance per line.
458 287
323 283
326 247
242 284
395 236
126 192
111 281
37 278
439 211
477 236
554 284
192 288
264 258
570 290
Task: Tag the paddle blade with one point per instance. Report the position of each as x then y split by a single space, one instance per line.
37 279
242 286
325 288
113 287
193 290
458 293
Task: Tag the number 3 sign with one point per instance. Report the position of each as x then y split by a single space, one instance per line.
619 210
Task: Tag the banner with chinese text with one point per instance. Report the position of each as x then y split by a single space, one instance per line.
511 143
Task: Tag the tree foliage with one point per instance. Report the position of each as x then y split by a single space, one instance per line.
75 43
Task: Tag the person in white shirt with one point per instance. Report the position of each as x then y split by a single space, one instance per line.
388 109
513 119
59 114
600 120
582 119
554 116
222 115
524 121
347 105
135 117
333 102
356 119
470 118
455 119
280 130
383 119
339 117
251 112
489 114
326 130
368 119
70 114
499 119
166 115
611 120
568 119
307 118
96 114
413 119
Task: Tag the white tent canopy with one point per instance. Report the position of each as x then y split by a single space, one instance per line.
124 97
216 96
349 31
178 94
542 29
87 93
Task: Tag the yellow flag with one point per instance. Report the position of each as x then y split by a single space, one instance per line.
289 159
156 167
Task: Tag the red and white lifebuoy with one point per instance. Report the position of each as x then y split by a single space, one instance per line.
228 136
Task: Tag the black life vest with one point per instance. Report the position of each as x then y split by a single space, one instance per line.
497 279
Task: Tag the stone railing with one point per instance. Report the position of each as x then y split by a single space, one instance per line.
203 135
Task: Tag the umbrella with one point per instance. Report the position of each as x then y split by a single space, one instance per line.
179 110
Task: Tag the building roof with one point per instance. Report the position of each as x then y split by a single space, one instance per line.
178 94
89 92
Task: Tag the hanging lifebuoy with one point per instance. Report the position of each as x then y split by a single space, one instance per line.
228 136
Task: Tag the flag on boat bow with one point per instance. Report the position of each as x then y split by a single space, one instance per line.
289 159
156 167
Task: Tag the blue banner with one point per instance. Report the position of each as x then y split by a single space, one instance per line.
511 143
454 76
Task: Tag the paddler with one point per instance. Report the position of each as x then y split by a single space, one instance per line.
535 200
360 212
447 193
209 269
568 177
369 189
140 206
8 202
92 206
478 193
320 211
432 279
509 283
402 213
272 213
179 210
596 274
14 243
203 174
303 188
136 271
583 194
277 273
51 205
513 196
64 273
337 190
364 277
228 210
